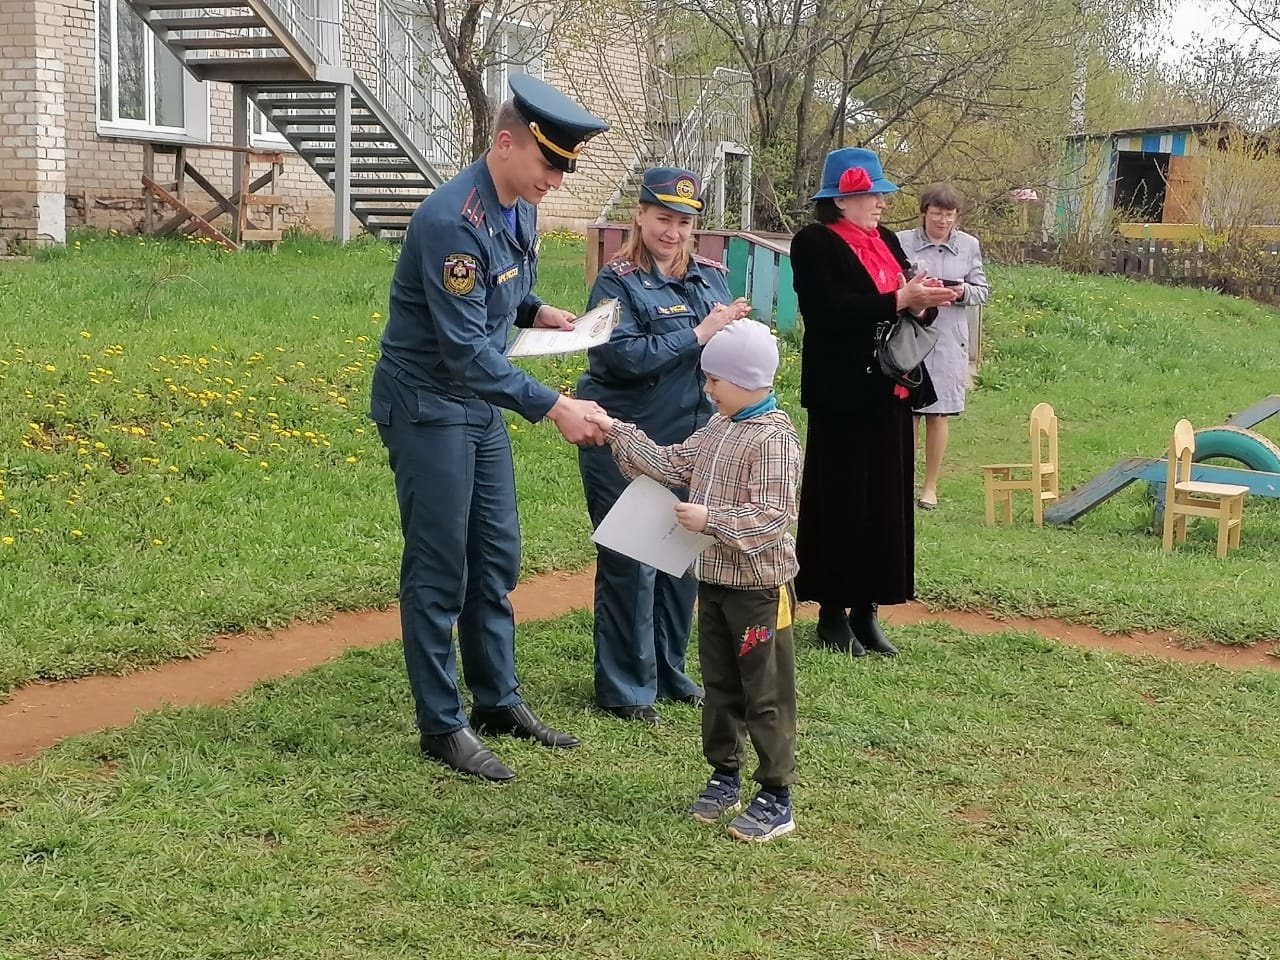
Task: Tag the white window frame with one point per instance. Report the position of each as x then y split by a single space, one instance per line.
497 74
263 134
195 94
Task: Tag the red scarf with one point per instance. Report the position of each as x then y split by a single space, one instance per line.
874 254
871 250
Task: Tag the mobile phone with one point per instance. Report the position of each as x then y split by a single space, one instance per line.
952 283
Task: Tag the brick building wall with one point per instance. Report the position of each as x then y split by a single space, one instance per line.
57 167
104 173
33 160
608 77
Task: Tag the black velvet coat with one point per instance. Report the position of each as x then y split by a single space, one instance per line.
856 535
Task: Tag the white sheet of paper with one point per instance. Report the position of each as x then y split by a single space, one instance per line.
642 525
589 330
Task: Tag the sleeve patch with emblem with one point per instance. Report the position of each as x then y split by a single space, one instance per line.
459 274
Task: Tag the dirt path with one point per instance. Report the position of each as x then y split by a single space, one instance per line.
41 714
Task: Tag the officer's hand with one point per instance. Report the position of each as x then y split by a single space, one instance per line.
692 516
554 318
601 420
570 417
721 315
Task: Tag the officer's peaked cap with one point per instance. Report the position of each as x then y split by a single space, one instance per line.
559 125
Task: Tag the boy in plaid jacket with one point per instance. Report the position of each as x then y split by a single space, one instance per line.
742 470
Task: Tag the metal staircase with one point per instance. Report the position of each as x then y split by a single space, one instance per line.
363 131
715 127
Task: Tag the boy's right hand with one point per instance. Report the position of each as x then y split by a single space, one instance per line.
601 420
572 418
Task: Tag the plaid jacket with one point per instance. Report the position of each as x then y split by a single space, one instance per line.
746 473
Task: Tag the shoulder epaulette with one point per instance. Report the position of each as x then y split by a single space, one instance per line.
708 262
473 208
623 267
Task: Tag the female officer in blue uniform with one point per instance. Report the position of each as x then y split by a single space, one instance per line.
672 302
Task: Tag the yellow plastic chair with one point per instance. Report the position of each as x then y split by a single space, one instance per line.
1041 482
1184 497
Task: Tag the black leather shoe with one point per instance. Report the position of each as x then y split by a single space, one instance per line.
638 714
695 699
866 628
835 633
520 721
465 752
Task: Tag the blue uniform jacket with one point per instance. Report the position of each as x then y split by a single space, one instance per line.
461 282
648 372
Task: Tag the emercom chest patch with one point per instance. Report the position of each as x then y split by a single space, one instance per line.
508 275
459 274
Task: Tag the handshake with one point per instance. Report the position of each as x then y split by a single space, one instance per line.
581 422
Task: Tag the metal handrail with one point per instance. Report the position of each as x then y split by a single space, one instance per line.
722 113
416 99
314 24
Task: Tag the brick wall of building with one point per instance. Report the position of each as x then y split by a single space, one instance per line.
53 69
33 159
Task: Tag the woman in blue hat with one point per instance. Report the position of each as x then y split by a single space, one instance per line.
672 303
855 541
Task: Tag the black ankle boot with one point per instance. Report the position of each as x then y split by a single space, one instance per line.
835 633
866 628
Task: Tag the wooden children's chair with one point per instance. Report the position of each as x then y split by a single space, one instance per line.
999 481
1184 497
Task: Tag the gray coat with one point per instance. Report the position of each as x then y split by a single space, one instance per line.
959 257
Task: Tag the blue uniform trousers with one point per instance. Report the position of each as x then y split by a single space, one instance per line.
455 484
642 616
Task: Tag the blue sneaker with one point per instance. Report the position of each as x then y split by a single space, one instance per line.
717 798
765 819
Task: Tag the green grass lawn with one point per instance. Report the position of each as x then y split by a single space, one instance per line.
185 450
978 797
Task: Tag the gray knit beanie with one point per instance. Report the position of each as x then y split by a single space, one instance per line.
745 353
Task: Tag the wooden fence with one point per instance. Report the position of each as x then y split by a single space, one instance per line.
1178 263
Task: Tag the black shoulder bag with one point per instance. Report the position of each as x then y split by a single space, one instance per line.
901 346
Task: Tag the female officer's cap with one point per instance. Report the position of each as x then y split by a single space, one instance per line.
559 125
674 188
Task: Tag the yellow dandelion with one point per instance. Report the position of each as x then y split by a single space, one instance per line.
375 316
77 533
50 368
351 459
263 464
7 541
168 499
86 334
157 543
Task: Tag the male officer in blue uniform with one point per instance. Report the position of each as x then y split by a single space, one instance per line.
464 277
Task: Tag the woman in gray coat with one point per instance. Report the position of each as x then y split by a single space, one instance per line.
956 258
